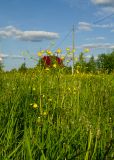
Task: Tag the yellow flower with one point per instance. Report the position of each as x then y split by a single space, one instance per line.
39 54
49 99
67 49
43 96
77 71
69 52
67 61
86 50
39 119
74 50
69 89
62 58
76 59
47 69
45 113
54 65
34 89
58 50
35 105
48 52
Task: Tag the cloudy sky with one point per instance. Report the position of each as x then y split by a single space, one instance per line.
26 26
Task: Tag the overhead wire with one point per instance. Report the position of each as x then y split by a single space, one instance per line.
62 41
68 34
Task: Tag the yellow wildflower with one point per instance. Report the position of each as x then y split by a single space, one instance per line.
69 52
34 89
54 65
74 50
47 69
62 58
48 52
69 89
49 99
67 49
76 59
67 61
77 71
39 54
45 113
58 50
86 50
43 96
35 105
39 119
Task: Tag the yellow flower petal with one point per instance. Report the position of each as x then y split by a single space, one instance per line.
86 50
58 50
39 54
35 105
67 49
47 69
54 65
62 58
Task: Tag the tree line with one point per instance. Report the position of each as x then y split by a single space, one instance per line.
103 64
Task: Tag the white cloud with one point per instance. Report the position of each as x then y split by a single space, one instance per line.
2 55
11 31
107 6
84 26
108 9
98 45
103 2
95 38
104 25
100 38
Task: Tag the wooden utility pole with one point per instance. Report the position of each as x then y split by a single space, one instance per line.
73 48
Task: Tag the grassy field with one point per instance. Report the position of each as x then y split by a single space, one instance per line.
56 116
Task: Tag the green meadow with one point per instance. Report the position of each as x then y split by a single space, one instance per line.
51 115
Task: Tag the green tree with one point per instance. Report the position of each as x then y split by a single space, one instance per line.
91 65
1 66
81 64
23 67
105 62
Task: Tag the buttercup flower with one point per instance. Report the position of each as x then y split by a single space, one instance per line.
48 52
49 99
74 50
62 58
58 50
47 69
54 65
86 50
67 61
45 113
76 59
34 89
42 51
39 54
67 49
35 105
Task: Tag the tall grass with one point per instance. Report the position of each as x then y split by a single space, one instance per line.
73 118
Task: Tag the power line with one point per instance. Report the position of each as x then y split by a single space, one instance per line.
68 34
61 42
103 18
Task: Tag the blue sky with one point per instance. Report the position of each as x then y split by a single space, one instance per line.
26 26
